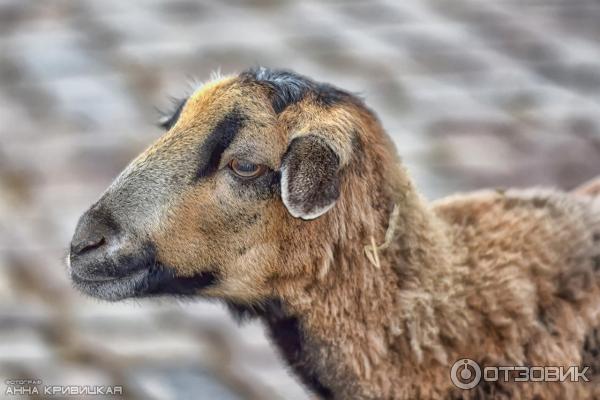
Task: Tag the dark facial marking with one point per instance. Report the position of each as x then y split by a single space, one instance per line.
287 333
170 119
163 281
288 88
139 275
217 141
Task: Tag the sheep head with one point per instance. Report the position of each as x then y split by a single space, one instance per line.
238 193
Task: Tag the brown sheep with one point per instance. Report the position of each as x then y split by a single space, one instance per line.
270 191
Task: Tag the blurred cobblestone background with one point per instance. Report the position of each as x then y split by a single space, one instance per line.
475 93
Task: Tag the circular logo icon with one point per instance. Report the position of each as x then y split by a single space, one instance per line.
465 374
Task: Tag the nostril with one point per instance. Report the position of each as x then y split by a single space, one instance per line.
88 245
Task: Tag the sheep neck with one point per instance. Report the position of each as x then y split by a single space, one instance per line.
358 321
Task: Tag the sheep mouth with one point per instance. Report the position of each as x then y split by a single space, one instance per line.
156 280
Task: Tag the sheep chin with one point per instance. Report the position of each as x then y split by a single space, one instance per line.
154 281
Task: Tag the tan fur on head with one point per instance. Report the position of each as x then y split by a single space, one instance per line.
501 277
203 226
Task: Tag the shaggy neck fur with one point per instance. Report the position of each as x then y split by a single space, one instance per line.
352 330
354 322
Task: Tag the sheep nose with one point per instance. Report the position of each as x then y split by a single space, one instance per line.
84 245
92 235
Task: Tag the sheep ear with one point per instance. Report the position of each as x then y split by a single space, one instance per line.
310 182
167 120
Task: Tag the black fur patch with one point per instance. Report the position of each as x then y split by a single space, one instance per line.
169 119
217 141
288 335
163 281
288 88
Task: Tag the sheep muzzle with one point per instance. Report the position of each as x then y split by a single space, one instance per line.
106 263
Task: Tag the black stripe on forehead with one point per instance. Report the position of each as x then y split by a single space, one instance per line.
217 142
288 88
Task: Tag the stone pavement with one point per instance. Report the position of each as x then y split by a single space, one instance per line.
474 93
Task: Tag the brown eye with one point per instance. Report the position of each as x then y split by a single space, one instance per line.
246 169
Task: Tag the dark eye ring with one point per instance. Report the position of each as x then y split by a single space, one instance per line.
246 169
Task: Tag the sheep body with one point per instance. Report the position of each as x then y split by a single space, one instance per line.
500 277
506 278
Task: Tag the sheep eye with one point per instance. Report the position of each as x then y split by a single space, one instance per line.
246 169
